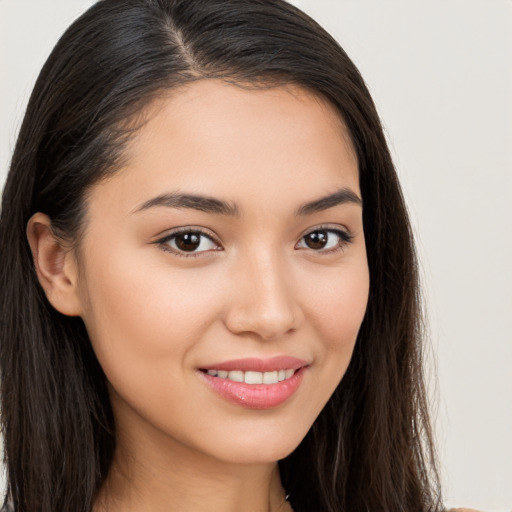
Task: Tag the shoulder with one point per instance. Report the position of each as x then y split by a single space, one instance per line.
462 510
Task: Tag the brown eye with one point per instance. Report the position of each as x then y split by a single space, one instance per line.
325 240
316 240
191 242
188 241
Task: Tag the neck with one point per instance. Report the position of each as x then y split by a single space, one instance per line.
157 475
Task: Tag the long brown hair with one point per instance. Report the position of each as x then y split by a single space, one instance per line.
371 447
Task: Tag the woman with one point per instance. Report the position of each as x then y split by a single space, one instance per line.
209 285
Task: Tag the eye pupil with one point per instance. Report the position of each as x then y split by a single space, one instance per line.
188 241
316 239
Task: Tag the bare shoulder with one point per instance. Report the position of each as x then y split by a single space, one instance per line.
462 510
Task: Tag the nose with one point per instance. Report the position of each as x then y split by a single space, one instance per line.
263 299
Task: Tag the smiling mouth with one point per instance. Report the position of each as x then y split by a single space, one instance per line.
252 377
254 389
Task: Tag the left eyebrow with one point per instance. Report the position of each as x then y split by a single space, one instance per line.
341 196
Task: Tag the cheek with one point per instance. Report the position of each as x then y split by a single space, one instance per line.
145 322
143 312
337 311
344 310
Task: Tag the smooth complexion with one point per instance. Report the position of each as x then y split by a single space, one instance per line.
269 262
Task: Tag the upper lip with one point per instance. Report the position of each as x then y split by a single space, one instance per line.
259 365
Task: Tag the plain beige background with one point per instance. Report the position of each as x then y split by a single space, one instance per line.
440 72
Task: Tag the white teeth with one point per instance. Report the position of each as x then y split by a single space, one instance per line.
253 378
270 378
236 375
250 377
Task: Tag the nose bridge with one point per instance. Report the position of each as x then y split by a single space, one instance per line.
263 301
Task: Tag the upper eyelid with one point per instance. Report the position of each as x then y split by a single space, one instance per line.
196 229
167 234
330 228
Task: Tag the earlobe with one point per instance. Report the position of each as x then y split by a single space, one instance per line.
55 266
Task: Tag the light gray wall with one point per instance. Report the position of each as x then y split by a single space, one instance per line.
441 74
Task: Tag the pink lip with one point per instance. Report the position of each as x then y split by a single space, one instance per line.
256 396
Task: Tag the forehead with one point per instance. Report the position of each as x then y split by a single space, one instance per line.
221 139
218 106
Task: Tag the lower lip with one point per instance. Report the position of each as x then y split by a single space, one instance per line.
255 396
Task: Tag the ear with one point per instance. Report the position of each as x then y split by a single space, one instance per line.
55 265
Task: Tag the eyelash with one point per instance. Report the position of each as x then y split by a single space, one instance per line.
345 238
163 242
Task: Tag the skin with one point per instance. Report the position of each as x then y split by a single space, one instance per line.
257 290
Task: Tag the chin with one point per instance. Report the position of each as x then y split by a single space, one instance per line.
265 449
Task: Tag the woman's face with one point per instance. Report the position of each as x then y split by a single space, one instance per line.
231 241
